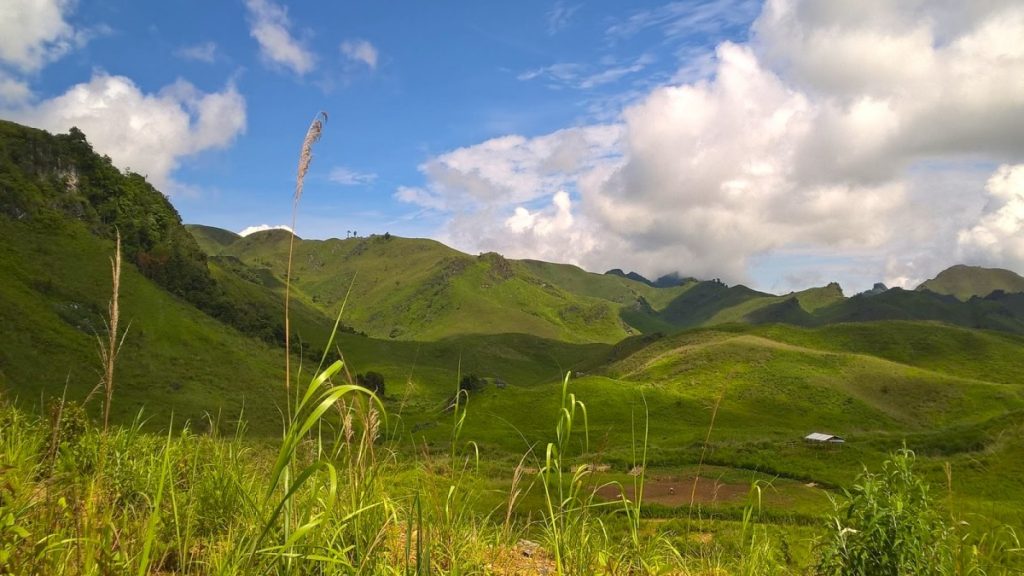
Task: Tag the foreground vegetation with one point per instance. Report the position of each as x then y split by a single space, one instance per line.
336 496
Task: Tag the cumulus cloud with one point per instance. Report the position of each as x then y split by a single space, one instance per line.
262 228
150 133
998 236
360 51
270 26
13 91
829 133
34 33
513 169
349 177
202 52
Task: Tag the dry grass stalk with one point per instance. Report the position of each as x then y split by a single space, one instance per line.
514 493
305 159
110 348
704 450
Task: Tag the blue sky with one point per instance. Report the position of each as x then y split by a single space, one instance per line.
782 144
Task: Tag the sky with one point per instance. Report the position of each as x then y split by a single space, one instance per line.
781 144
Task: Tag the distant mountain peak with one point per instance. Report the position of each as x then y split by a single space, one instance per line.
665 281
965 282
875 290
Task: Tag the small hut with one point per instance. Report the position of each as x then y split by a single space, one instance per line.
824 439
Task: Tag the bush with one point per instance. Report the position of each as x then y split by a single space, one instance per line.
373 381
886 525
471 383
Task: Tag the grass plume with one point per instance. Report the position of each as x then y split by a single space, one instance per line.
313 134
111 347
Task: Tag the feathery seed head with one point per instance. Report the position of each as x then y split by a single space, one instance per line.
306 156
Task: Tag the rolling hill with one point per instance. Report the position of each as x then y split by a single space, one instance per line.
416 289
204 332
965 282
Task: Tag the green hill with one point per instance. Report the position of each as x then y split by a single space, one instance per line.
56 282
211 239
178 359
205 331
953 395
965 282
416 289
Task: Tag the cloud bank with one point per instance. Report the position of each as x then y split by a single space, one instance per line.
836 131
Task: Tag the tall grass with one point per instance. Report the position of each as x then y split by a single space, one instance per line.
110 347
313 134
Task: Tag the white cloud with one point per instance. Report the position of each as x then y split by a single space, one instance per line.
584 77
360 51
13 91
420 197
202 52
34 33
514 169
832 133
263 228
567 72
684 20
560 15
998 236
349 177
270 26
150 133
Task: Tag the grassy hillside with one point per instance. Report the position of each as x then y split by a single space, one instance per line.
952 395
415 289
56 283
211 239
780 381
408 289
965 282
180 360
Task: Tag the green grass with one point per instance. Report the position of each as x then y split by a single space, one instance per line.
339 495
420 289
178 359
211 239
175 358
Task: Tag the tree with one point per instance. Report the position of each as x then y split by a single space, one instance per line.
373 381
471 383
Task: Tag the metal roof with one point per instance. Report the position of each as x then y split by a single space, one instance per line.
819 437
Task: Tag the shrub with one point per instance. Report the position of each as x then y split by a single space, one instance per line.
886 525
471 383
373 381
